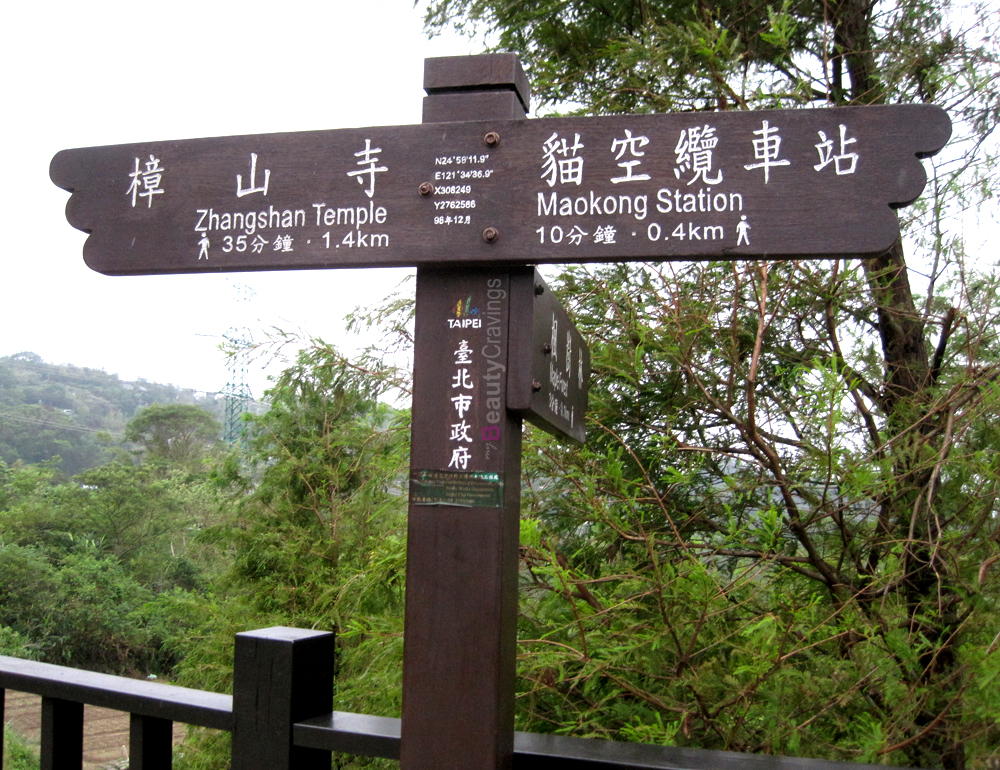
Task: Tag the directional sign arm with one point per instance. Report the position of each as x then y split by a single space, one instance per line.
730 185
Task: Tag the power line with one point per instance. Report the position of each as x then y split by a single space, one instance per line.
6 414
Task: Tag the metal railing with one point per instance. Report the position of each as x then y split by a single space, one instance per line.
282 688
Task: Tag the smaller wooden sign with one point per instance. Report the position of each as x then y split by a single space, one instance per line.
548 385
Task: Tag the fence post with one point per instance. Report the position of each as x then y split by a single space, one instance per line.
150 743
62 735
280 676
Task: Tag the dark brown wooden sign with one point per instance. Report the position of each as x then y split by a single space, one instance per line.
772 184
550 360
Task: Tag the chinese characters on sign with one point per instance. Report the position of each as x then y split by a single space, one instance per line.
562 162
845 162
241 191
370 170
632 144
146 183
462 401
640 187
568 168
766 148
248 224
558 359
461 416
694 161
694 153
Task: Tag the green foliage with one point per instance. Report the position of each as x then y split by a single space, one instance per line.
138 568
27 591
672 55
721 567
100 619
130 513
177 434
82 561
313 536
323 486
84 610
15 644
125 509
309 539
203 749
33 433
17 754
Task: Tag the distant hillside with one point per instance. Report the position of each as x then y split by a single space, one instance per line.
77 414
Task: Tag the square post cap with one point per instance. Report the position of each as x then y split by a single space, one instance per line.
486 72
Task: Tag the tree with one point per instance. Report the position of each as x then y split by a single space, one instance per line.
80 610
179 434
140 521
130 514
624 56
314 531
785 532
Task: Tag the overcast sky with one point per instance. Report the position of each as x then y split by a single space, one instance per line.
111 72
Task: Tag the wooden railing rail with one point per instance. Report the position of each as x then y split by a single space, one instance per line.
153 708
278 714
136 696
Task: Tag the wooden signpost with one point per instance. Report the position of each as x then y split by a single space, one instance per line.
472 197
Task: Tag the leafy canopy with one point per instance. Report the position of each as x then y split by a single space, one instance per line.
180 434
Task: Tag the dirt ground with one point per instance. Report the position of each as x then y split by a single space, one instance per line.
105 732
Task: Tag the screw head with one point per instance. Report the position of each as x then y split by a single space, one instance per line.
492 139
426 188
536 385
546 348
491 234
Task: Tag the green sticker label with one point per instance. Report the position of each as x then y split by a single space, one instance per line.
475 489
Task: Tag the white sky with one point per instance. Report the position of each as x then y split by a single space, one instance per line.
114 72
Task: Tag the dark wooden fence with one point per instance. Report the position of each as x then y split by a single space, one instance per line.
279 718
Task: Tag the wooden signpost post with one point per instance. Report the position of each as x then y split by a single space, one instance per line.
472 197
